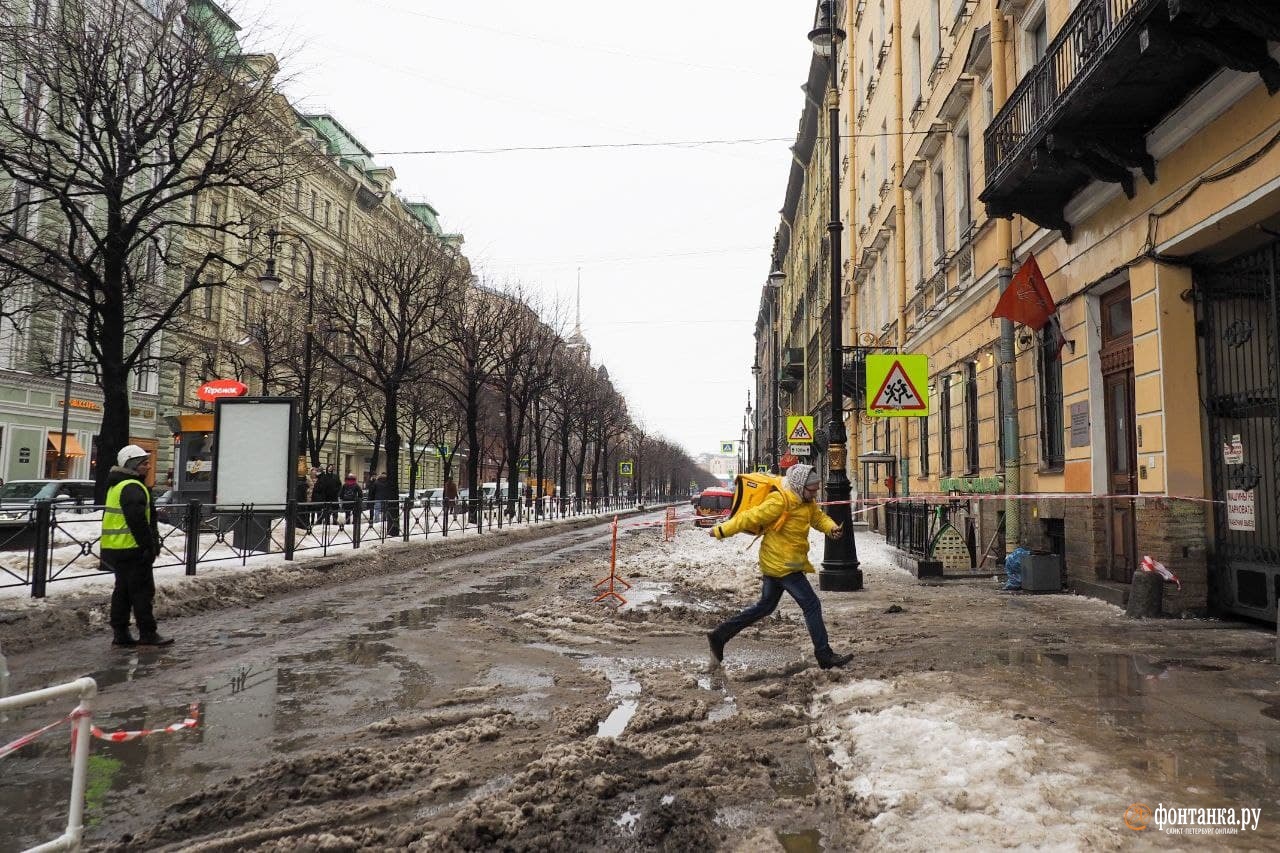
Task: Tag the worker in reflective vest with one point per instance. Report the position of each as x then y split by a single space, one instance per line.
129 545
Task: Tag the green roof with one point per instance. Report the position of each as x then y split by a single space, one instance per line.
340 141
426 214
219 26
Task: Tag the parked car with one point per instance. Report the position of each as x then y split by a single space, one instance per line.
18 497
431 497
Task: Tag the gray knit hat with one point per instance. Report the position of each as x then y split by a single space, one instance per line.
798 476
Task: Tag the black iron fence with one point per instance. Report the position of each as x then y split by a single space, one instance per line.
907 526
54 542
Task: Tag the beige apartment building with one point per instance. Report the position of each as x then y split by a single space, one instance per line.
1131 146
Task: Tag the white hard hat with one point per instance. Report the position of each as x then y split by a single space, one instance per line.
129 451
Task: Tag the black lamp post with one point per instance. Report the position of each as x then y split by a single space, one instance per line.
776 278
751 433
840 570
268 283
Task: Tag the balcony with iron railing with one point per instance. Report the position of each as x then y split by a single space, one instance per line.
1113 71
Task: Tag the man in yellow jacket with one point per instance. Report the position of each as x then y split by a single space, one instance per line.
785 516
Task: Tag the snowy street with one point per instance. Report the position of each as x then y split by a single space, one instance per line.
479 699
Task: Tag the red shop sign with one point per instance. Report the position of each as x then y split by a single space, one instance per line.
215 388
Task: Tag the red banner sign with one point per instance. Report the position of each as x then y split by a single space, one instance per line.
215 388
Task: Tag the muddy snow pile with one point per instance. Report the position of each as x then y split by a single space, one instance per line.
933 770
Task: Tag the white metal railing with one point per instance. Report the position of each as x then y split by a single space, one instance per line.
85 689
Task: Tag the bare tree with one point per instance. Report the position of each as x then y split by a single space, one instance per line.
476 320
123 118
385 311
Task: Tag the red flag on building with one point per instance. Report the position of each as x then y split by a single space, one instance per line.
1027 301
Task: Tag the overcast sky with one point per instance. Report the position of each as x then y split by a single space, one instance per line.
672 242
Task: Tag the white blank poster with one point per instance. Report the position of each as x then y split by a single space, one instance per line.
253 464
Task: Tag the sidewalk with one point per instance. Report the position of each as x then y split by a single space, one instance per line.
1184 713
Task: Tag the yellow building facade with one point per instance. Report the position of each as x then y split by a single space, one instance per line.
1135 155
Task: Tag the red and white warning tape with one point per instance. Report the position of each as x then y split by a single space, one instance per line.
191 721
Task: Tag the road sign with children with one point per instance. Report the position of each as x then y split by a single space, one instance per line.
799 429
897 385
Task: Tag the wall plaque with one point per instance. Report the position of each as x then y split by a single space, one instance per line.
1080 424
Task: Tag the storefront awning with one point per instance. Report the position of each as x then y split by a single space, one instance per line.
73 446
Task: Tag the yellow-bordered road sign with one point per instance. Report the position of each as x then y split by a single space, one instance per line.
728 447
799 429
898 385
624 469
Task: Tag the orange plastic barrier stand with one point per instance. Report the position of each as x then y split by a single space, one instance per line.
613 578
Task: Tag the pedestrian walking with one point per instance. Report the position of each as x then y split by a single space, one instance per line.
129 546
377 495
325 491
349 495
784 560
450 494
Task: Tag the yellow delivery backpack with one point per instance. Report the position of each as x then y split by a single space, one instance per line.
750 490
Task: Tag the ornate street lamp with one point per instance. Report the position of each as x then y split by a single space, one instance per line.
269 282
840 570
775 280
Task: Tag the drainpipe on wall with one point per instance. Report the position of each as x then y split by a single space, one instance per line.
853 425
900 227
1004 254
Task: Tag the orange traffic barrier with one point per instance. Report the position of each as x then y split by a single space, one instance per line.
669 526
613 578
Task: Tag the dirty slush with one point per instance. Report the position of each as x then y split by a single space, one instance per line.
482 701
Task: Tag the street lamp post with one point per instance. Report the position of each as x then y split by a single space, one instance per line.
268 283
840 570
776 278
750 437
755 424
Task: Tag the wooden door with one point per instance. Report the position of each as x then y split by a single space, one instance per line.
1121 472
1121 432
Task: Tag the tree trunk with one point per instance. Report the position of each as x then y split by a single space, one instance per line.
114 432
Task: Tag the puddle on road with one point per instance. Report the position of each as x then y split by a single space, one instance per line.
1200 725
625 688
805 841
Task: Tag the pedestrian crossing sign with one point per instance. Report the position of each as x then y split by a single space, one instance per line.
799 429
898 385
624 469
727 447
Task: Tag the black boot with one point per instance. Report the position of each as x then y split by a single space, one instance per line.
716 641
123 638
828 659
154 639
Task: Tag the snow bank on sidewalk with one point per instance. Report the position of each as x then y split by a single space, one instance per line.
937 771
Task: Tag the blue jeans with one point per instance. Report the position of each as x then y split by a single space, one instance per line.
770 594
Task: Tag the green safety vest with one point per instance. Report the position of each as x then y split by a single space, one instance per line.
116 535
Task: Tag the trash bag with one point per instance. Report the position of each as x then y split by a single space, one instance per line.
1013 568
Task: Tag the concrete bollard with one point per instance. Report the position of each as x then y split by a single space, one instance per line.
1146 596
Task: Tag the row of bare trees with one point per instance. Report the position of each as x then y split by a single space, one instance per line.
117 118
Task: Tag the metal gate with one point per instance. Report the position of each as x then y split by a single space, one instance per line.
1239 307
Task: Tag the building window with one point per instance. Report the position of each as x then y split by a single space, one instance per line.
183 367
939 215
315 202
924 446
215 213
916 69
328 210
297 196
944 426
1049 365
1000 428
971 417
195 209
964 201
1035 36
208 303
918 216
342 222
21 208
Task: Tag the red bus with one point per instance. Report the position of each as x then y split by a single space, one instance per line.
713 506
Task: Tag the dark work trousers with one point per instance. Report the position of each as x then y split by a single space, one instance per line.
770 594
135 590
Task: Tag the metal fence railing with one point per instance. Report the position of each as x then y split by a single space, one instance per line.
907 526
60 542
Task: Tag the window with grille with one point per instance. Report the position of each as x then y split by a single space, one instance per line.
1049 364
971 417
924 446
944 426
